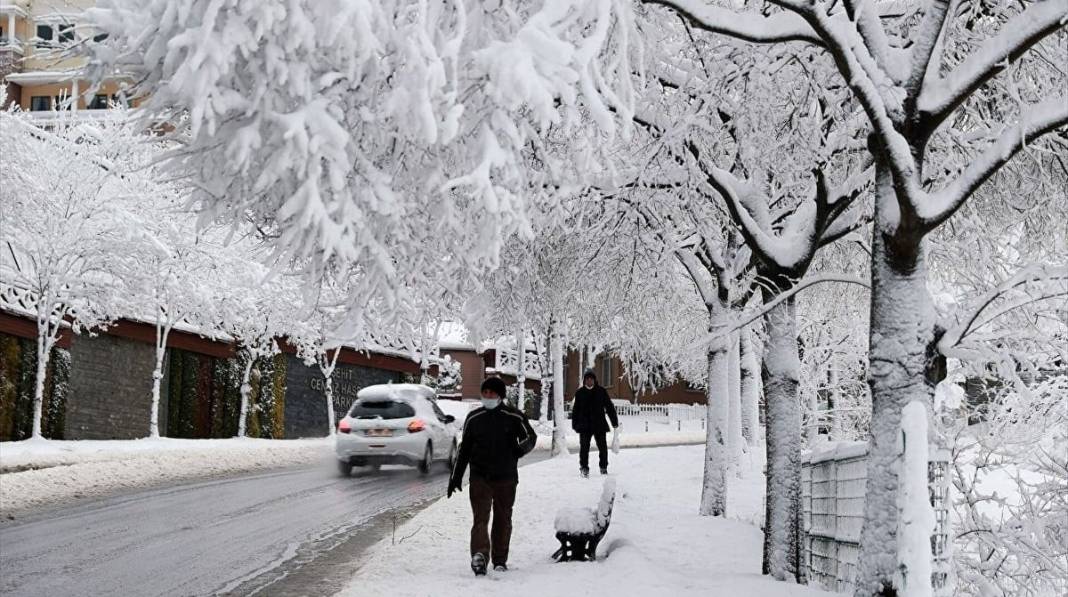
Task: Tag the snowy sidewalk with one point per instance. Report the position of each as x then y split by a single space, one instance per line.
656 544
62 471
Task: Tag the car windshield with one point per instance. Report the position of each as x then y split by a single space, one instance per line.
381 409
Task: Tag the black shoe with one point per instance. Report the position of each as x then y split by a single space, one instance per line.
500 567
478 564
585 472
604 470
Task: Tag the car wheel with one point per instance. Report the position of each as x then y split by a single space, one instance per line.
428 459
344 468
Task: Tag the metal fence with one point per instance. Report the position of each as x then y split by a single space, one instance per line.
832 496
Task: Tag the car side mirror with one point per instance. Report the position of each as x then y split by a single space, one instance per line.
450 419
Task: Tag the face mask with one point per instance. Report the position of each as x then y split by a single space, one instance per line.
491 403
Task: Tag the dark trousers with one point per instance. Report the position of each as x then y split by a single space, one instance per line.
498 497
584 449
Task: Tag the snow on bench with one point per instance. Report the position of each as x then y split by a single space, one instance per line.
580 530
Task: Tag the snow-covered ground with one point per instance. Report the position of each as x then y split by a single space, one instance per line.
63 471
634 431
633 435
35 473
656 545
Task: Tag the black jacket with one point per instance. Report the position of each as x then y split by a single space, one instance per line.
493 442
589 409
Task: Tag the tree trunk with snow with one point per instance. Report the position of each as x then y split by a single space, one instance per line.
735 442
548 370
714 487
44 345
750 382
521 371
916 521
163 330
329 391
559 445
902 330
327 365
782 544
812 423
837 431
246 391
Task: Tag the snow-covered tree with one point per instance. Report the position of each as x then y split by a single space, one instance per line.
68 233
747 219
449 376
254 310
931 74
370 135
179 282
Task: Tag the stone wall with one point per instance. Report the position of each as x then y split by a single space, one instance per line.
110 388
305 405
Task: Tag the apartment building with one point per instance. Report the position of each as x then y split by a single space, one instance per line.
40 58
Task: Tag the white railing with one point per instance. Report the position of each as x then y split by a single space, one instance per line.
670 412
833 483
664 412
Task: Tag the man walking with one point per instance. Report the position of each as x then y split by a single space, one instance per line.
587 419
495 437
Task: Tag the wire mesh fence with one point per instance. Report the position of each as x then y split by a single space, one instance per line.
833 483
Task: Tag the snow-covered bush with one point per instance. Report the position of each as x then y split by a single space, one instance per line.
1010 507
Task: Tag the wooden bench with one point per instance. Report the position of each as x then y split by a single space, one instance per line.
580 530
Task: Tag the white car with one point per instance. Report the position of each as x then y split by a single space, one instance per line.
395 424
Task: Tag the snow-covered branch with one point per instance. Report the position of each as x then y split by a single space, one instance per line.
1040 19
925 51
753 27
1041 276
1041 119
744 320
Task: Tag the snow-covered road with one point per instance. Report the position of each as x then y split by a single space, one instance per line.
232 535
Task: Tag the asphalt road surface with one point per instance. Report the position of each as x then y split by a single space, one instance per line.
285 533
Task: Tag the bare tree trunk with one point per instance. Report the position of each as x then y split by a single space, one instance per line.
559 446
246 391
735 442
714 487
902 329
782 545
750 380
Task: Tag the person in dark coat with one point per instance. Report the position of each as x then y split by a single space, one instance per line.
587 419
495 437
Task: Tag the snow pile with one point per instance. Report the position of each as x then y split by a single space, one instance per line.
608 496
656 546
575 521
62 471
587 520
